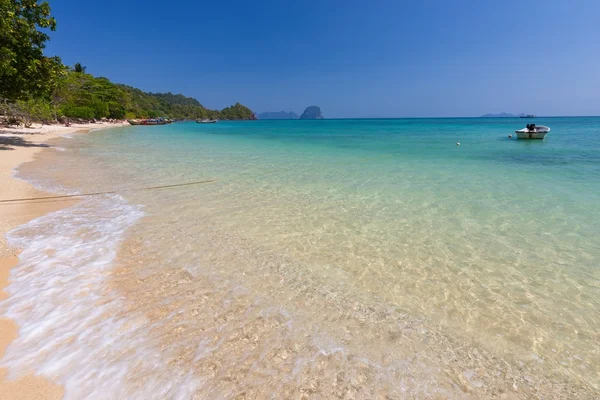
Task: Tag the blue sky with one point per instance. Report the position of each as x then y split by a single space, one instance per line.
351 58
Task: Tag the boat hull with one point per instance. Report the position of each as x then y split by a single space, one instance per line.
530 135
144 122
533 132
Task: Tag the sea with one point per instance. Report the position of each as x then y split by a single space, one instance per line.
349 258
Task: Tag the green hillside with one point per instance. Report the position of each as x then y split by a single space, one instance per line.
81 95
34 87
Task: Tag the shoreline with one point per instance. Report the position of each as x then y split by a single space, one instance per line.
19 146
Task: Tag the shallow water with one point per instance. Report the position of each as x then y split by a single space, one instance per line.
329 258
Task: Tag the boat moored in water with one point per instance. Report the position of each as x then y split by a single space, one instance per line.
207 121
152 121
532 131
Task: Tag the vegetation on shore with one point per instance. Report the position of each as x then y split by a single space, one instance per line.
81 95
34 87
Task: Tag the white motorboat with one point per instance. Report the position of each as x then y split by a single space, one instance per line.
533 131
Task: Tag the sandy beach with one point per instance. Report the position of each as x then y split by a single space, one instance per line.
17 146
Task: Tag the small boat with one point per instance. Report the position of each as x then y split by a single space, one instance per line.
152 121
533 131
527 116
207 121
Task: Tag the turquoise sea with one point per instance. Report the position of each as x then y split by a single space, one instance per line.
328 259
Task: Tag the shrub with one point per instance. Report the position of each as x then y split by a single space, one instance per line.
73 111
116 111
34 110
100 109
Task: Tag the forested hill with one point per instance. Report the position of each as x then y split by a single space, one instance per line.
81 95
78 95
179 106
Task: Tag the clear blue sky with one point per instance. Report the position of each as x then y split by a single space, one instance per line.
352 58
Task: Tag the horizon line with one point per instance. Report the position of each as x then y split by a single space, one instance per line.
472 117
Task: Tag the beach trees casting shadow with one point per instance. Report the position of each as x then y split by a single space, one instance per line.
10 142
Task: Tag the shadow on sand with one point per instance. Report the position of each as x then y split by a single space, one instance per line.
9 142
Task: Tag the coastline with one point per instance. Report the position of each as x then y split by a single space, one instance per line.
19 146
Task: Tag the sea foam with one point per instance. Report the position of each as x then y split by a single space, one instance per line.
68 318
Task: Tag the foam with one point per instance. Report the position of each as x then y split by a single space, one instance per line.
67 316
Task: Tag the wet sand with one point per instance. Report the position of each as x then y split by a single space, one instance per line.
18 146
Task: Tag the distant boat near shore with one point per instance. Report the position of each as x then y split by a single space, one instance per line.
527 116
207 121
152 121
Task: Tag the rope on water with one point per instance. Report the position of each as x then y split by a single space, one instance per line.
107 192
388 155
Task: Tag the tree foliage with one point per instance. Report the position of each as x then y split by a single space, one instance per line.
33 86
81 95
24 70
35 110
78 67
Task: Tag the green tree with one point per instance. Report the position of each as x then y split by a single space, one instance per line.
34 110
79 68
24 70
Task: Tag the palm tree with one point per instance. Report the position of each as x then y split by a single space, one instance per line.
79 68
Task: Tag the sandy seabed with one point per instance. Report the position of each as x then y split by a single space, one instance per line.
18 146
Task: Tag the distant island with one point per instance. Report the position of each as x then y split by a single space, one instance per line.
505 115
278 115
312 112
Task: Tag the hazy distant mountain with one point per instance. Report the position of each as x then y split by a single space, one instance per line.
278 115
312 112
501 115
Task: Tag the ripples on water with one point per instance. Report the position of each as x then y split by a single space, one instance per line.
330 259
